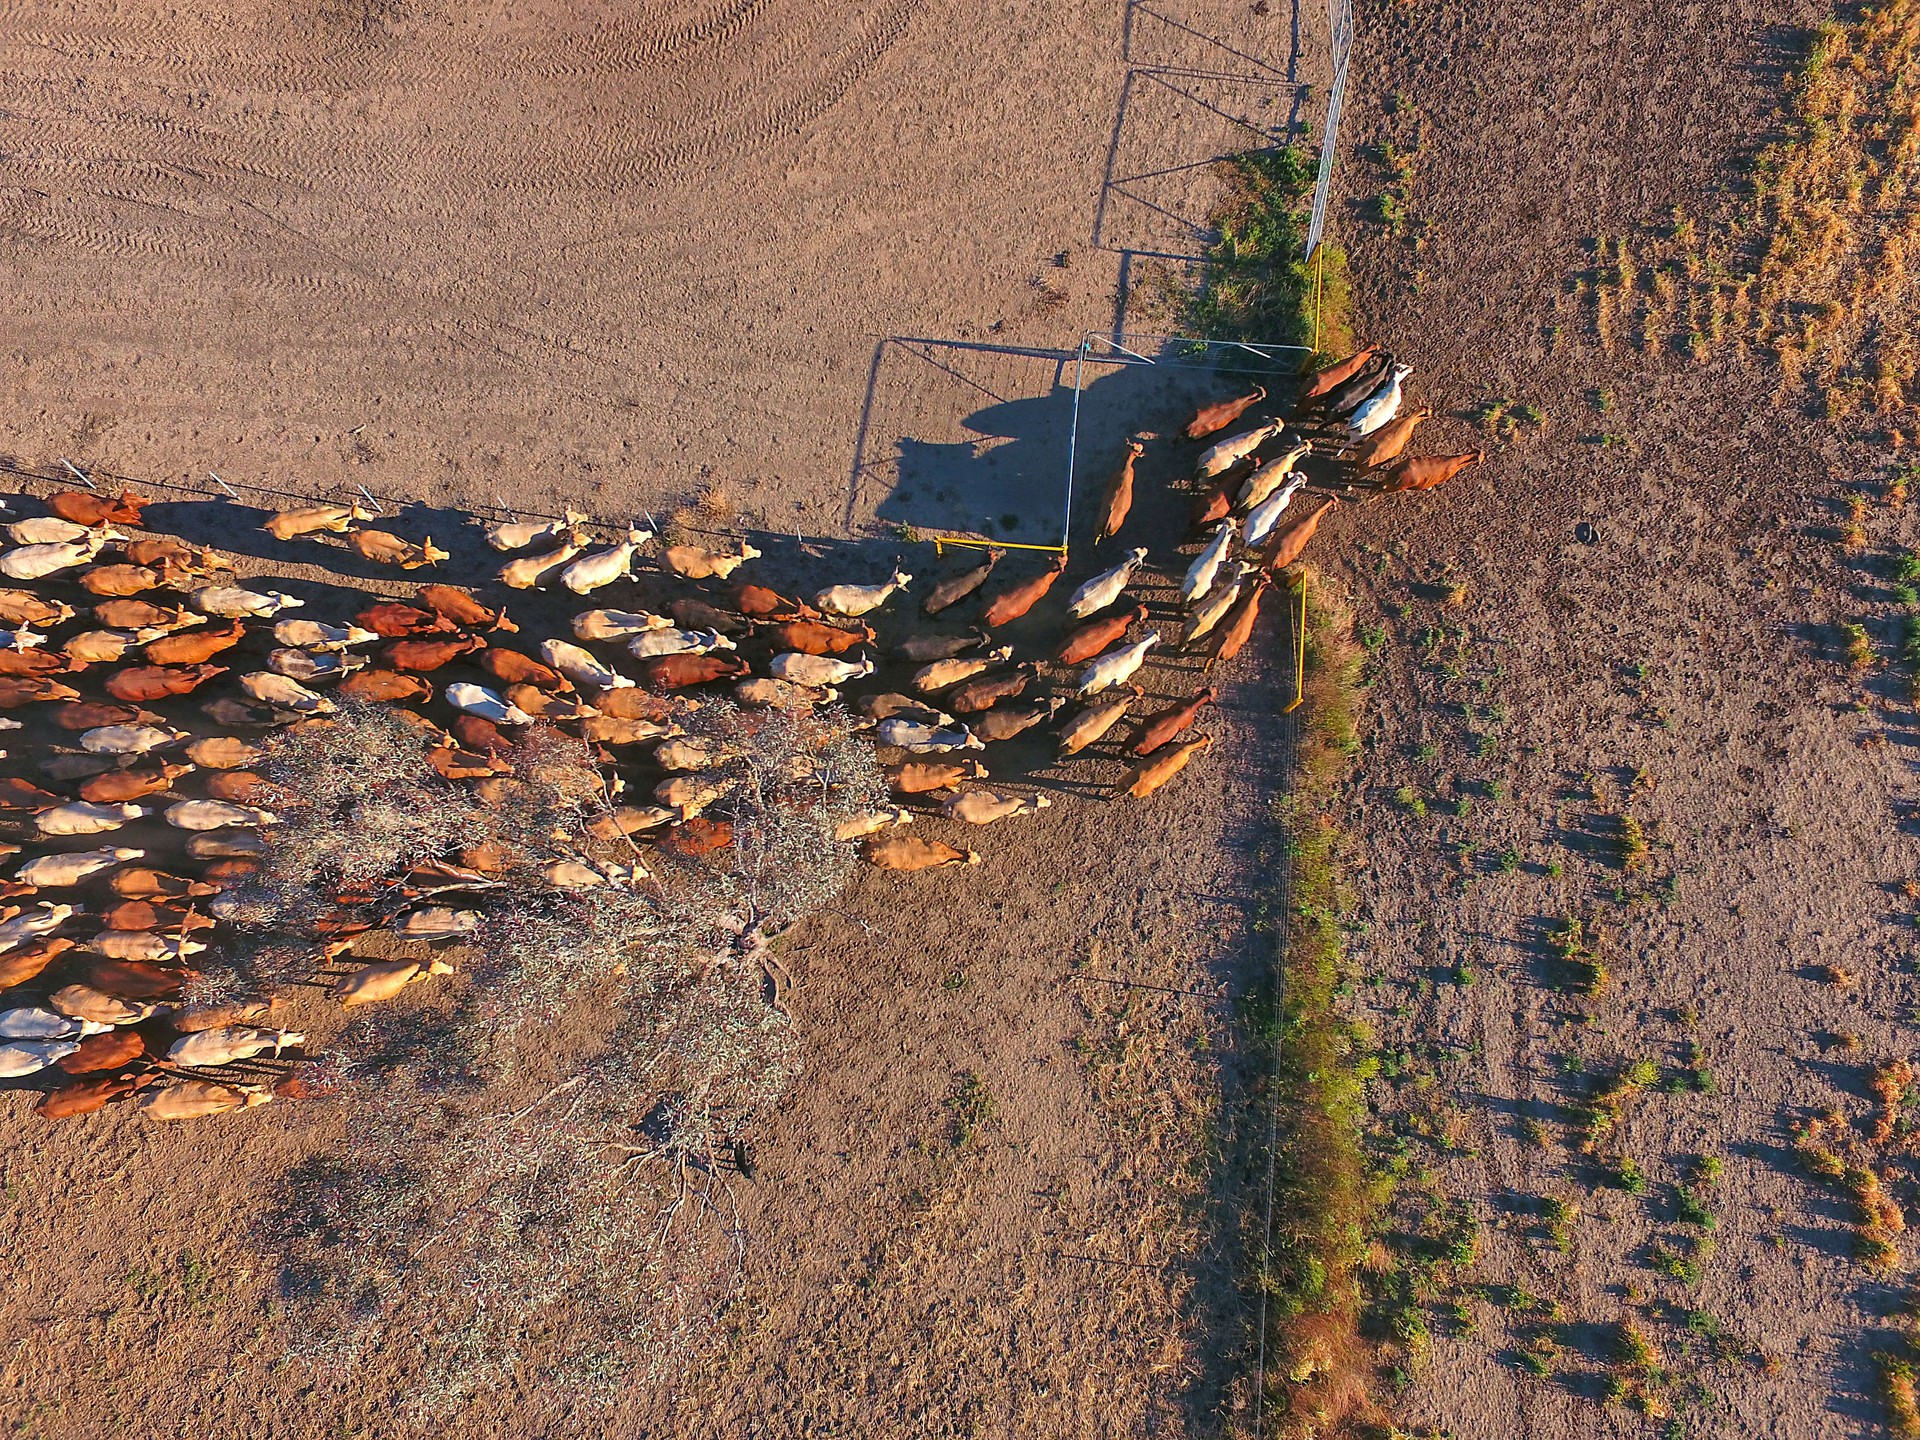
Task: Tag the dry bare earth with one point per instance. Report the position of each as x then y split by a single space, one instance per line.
1773 808
456 255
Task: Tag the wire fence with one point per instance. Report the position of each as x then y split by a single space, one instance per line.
1340 27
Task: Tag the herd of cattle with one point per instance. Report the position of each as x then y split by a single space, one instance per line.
100 927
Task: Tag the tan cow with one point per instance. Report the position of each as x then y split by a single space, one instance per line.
920 777
312 519
1149 775
197 1099
695 562
983 807
910 852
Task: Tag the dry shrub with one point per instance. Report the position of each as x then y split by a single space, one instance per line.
1889 1085
532 1190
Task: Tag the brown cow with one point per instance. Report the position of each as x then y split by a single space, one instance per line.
1088 640
19 966
1218 417
698 836
1328 376
141 883
395 621
546 706
462 609
810 637
1118 501
195 648
455 764
119 579
918 777
987 691
109 1050
236 786
1423 472
1150 775
23 607
431 654
83 507
481 736
98 647
119 786
909 852
760 603
17 794
90 715
677 672
1233 633
172 557
1288 541
145 915
692 614
1389 440
135 979
385 549
952 591
158 682
384 685
31 662
1156 730
1212 505
145 615
1010 605
922 648
18 690
1005 722
223 752
83 1097
510 667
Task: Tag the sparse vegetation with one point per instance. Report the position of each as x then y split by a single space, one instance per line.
1505 416
1805 269
1634 849
1324 1195
554 1135
1574 942
1259 284
1858 645
1606 1106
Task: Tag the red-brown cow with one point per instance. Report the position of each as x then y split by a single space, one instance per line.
1010 605
677 672
1088 640
158 682
431 654
1156 730
1423 472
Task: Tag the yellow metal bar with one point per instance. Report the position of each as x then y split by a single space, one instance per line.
1299 651
940 543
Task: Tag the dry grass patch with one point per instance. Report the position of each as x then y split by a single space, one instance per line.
1820 264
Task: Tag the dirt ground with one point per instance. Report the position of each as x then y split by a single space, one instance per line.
1681 668
532 257
469 255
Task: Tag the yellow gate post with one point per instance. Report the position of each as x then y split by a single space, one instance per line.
1299 650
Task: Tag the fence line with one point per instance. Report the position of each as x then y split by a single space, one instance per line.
1340 28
